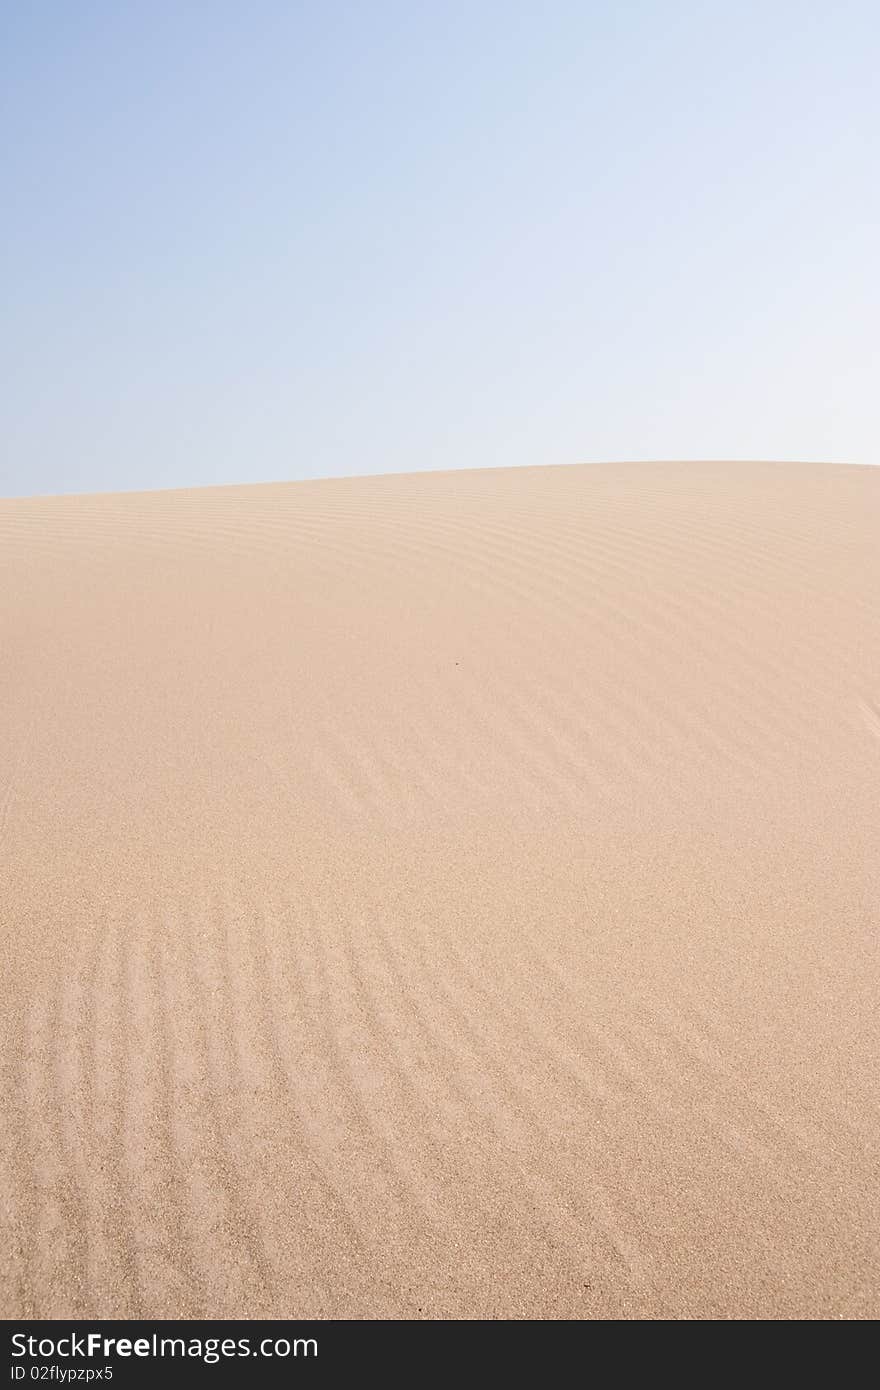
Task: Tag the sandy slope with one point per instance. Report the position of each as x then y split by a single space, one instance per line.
444 894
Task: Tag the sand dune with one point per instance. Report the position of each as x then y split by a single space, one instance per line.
446 894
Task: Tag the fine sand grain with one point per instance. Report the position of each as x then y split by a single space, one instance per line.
445 894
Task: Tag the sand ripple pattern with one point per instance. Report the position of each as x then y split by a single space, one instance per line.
443 895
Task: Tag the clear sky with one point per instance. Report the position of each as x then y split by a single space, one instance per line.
245 241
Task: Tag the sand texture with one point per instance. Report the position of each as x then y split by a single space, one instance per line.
443 895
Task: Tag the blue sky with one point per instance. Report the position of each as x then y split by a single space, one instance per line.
245 242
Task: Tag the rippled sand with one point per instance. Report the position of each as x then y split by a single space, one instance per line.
449 894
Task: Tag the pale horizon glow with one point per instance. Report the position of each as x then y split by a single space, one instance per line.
282 241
